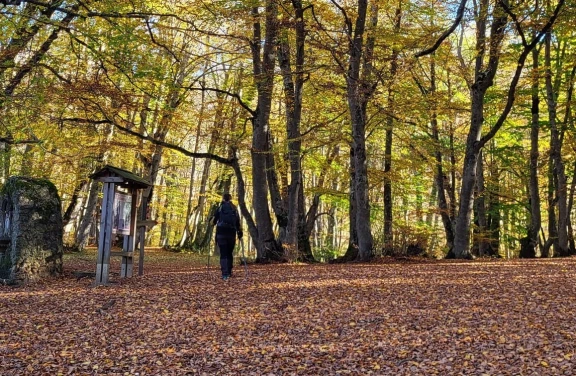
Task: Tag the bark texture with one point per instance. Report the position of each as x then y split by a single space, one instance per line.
31 224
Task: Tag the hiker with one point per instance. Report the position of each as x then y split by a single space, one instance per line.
227 223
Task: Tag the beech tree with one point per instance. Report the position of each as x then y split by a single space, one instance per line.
486 65
263 98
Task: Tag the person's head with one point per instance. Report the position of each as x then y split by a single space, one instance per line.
227 197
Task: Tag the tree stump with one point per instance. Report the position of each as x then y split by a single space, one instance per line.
30 230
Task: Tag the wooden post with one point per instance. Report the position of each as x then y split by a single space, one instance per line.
141 240
129 243
142 233
126 263
111 177
105 239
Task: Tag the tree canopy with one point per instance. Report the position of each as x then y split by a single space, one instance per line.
344 129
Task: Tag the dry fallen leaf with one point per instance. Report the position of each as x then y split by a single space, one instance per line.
383 318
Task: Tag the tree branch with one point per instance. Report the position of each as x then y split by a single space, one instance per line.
10 141
55 73
233 95
153 39
519 67
446 34
188 153
516 21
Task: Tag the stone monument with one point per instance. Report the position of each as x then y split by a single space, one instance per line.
30 230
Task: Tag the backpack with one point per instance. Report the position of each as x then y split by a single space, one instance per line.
228 216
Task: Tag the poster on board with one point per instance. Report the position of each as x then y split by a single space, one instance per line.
122 213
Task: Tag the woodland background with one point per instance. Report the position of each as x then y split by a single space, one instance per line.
342 128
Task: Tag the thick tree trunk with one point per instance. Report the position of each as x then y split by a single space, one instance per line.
293 84
484 78
561 242
462 234
480 240
530 246
278 195
263 64
359 91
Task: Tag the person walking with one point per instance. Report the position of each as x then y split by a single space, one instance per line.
227 221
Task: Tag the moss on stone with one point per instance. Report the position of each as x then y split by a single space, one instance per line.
35 229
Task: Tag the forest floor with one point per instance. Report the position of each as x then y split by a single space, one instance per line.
411 317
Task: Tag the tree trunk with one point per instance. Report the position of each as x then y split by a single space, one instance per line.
452 182
569 124
570 206
263 64
493 220
6 157
74 201
352 250
530 245
552 221
82 234
388 214
173 101
293 84
388 234
480 240
27 161
200 223
462 234
561 242
33 19
304 248
484 78
188 219
359 90
164 229
441 182
307 222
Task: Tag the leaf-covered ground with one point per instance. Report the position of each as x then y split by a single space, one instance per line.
385 318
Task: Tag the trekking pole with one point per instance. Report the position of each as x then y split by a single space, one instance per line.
208 265
244 259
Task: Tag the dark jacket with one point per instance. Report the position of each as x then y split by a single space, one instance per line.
228 231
